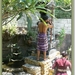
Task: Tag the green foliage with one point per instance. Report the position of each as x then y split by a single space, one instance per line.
64 4
8 31
18 7
29 21
12 8
62 14
12 29
61 36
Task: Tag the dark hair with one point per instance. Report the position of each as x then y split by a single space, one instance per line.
37 23
64 54
44 17
42 12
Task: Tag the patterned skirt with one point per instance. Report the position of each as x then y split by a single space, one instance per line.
42 42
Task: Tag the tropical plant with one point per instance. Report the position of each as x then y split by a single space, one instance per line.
8 31
12 8
16 8
63 9
61 36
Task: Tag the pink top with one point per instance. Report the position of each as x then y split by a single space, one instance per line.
61 63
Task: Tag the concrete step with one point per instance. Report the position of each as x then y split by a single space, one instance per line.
45 65
34 70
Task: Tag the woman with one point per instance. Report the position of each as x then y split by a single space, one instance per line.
62 64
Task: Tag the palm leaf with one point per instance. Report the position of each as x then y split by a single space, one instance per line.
29 21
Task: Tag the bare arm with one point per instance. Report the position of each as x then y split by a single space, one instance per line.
50 26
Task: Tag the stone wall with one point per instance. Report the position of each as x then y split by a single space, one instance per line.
66 24
62 23
58 24
66 44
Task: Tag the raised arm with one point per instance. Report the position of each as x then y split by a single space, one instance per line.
50 26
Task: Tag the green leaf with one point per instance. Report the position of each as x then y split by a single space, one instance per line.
20 15
29 22
47 12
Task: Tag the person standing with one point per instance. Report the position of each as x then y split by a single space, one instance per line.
61 64
42 41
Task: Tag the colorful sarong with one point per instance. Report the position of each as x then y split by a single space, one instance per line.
42 42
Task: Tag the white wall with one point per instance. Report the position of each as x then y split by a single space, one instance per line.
62 23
